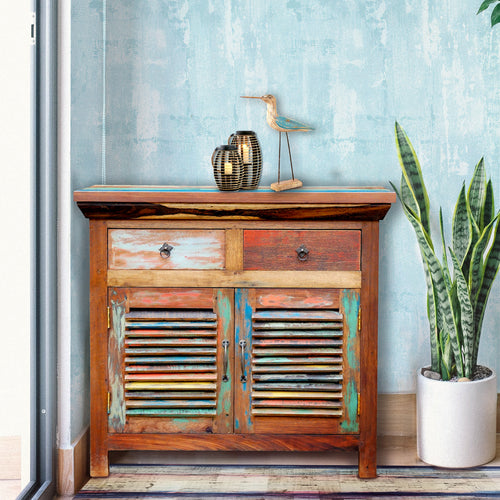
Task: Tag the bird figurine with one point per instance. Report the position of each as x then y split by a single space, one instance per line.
281 124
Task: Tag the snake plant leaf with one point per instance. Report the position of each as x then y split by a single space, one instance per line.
435 320
485 5
489 273
442 293
433 314
476 264
461 228
476 192
407 196
488 209
466 316
413 175
443 243
495 16
447 355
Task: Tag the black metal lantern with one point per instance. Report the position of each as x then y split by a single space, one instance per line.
228 168
251 156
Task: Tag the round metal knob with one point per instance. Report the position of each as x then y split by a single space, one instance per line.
302 253
165 250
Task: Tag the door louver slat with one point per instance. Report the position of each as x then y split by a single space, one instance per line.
297 360
170 363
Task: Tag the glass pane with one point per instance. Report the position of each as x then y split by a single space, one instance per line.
15 206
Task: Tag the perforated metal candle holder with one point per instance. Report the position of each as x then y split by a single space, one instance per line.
251 156
228 168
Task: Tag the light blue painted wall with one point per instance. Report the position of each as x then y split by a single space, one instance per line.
175 71
86 132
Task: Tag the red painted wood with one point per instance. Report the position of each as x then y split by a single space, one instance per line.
336 250
170 298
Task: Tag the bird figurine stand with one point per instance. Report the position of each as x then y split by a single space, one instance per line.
282 124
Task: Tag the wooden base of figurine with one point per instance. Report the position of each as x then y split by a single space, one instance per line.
284 185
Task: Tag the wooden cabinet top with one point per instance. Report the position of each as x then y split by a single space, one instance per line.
153 202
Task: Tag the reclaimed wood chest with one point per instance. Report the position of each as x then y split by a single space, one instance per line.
233 320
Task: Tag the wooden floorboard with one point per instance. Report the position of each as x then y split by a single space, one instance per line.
10 467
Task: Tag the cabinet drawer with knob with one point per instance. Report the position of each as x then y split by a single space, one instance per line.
301 250
166 249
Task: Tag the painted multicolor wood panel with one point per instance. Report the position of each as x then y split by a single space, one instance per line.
297 299
171 298
294 362
336 250
300 394
183 249
164 362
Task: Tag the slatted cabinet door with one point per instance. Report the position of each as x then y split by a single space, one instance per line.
169 362
297 361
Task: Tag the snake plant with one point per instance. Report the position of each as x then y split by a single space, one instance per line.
459 280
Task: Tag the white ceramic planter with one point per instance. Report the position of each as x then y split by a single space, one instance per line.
456 421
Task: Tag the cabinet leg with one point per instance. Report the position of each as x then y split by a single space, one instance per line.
99 464
367 460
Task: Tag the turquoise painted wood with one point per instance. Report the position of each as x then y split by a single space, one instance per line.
350 303
213 189
299 334
243 422
289 125
178 412
224 308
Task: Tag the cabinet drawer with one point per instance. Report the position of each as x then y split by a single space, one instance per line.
338 250
183 249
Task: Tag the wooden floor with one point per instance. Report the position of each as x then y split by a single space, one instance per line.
274 475
10 467
289 482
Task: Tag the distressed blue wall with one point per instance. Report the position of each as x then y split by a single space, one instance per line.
175 71
86 132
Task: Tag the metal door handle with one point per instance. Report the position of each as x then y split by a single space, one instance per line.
165 250
243 344
225 345
302 253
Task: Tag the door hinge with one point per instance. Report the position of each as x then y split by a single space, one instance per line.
359 320
109 319
33 28
109 403
359 403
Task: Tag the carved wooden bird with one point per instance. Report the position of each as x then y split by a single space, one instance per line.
281 124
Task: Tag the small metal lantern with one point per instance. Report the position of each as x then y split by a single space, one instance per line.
228 168
249 149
